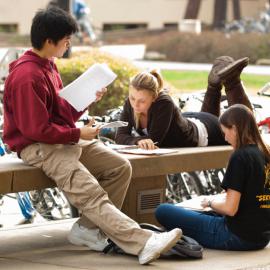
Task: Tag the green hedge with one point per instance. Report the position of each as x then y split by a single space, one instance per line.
71 68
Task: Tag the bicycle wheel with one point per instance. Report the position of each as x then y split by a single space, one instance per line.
212 180
52 204
192 184
217 176
183 186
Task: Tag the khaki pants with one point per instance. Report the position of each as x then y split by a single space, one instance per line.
95 179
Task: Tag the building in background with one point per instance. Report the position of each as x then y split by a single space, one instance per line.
122 14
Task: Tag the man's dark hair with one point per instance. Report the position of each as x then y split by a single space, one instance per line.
52 23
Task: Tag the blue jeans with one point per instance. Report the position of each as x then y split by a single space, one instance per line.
210 230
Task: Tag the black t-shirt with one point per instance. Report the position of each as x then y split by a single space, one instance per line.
248 173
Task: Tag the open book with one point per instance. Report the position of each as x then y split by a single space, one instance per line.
134 149
195 203
82 91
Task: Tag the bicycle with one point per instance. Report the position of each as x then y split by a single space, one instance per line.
183 186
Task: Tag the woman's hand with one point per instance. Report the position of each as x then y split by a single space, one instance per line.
205 201
88 132
225 203
147 144
99 94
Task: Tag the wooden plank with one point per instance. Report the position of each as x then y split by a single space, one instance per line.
26 180
185 160
5 182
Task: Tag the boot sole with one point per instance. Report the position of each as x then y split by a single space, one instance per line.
240 63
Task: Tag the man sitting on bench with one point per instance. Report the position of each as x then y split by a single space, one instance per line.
40 127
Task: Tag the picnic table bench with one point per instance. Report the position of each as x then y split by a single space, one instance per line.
148 184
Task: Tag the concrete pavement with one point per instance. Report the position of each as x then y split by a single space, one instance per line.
135 52
11 215
163 65
45 246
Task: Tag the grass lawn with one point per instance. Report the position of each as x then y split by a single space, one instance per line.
190 81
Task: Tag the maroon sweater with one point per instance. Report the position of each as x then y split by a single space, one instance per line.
33 110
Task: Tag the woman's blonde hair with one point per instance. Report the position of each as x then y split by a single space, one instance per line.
242 118
150 81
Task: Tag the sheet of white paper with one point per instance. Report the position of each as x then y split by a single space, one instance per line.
140 151
121 146
194 204
82 91
115 124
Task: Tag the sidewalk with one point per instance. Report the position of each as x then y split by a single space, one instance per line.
45 246
136 52
163 65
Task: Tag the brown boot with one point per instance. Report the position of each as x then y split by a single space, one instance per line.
230 76
220 63
233 70
211 102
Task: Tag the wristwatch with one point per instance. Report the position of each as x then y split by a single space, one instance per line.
209 203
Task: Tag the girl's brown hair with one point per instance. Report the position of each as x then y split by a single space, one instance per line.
242 118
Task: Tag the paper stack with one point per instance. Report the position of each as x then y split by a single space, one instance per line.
82 91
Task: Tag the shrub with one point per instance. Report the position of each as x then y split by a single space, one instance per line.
204 48
71 68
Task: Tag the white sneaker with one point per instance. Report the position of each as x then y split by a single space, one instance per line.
158 243
93 238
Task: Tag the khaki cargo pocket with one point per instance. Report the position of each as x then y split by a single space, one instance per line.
32 154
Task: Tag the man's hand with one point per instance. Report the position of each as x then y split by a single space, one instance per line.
88 132
99 94
147 144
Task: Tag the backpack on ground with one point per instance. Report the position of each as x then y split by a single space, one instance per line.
186 247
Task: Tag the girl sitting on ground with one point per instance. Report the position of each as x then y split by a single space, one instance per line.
241 219
154 118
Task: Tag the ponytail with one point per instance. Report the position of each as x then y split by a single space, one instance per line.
150 81
159 79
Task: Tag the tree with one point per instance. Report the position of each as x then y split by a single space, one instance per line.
192 9
220 13
64 4
236 10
